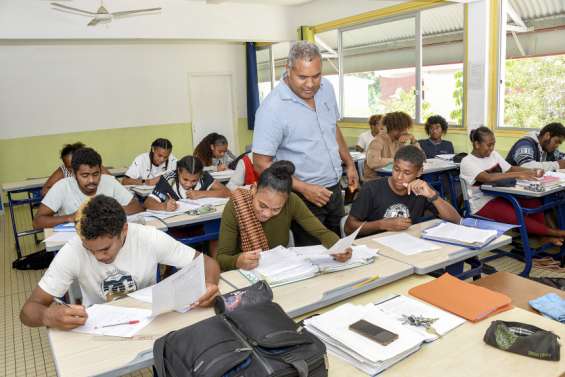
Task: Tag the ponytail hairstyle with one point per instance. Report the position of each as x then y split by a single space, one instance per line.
277 177
160 143
204 151
189 163
478 134
68 149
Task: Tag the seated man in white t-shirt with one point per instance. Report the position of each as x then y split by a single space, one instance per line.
109 258
149 166
67 195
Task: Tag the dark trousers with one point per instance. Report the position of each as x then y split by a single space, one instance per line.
329 215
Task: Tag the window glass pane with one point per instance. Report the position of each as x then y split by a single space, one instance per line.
534 78
442 63
280 52
379 69
263 72
327 43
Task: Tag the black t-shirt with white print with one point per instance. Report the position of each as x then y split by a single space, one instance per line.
377 201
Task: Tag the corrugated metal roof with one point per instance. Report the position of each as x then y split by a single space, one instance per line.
532 9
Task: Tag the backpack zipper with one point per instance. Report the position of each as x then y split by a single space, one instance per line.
262 361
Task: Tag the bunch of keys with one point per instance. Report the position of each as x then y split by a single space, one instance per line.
421 321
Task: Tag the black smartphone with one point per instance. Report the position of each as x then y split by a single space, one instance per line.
373 332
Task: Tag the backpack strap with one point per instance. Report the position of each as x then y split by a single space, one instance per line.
299 364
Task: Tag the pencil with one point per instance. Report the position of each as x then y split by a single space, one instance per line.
366 281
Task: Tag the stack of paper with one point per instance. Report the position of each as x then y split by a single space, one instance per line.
206 201
59 237
371 357
114 320
318 256
547 182
460 235
445 157
398 306
224 174
142 190
282 266
406 244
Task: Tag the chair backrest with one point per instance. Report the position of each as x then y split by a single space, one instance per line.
466 205
342 226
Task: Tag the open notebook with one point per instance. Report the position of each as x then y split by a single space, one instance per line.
283 265
367 355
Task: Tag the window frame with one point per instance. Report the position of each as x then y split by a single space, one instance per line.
418 40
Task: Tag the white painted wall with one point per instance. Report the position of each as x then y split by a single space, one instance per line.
59 87
179 19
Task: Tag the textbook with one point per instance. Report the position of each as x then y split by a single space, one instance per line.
283 265
462 235
391 314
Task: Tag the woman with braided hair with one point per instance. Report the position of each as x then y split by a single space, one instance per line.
259 219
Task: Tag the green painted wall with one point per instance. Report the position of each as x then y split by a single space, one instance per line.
38 156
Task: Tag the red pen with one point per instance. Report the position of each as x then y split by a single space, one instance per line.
133 322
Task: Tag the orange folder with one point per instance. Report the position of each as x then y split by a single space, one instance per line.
466 300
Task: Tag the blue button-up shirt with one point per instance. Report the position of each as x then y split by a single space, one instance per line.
286 128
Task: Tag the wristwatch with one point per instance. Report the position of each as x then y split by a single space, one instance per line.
433 198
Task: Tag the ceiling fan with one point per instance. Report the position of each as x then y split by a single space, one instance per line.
102 14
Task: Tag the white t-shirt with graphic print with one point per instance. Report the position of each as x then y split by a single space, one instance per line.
135 266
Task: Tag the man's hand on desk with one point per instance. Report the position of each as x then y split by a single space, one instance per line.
396 224
64 317
316 194
207 299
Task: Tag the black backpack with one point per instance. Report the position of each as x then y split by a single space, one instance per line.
254 341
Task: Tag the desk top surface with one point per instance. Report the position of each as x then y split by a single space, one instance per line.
519 289
432 165
326 289
428 261
522 191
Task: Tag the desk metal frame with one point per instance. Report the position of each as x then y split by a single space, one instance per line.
554 198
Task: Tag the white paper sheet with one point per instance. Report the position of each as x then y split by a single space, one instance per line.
406 244
143 295
60 237
345 242
100 315
180 290
459 233
206 201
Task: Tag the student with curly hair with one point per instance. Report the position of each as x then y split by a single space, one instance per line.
436 128
382 149
109 258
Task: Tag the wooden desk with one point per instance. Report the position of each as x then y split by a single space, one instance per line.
77 354
462 351
327 289
519 289
428 261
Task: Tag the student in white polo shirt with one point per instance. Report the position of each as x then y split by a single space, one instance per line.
109 258
68 194
149 166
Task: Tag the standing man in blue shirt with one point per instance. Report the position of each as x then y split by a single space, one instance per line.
298 122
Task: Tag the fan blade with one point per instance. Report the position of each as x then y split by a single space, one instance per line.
126 12
73 9
94 22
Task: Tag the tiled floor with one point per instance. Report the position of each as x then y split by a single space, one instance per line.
25 351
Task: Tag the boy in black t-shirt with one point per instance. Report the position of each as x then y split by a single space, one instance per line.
396 202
